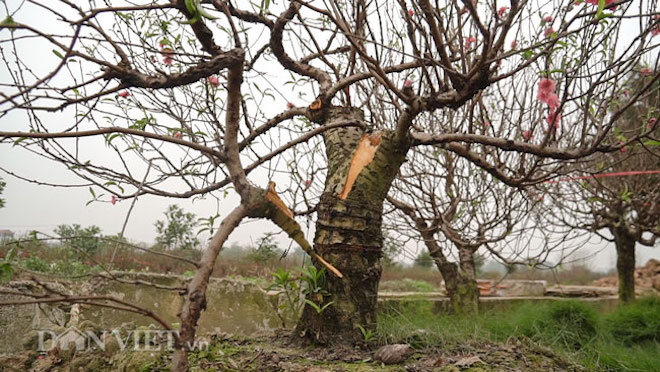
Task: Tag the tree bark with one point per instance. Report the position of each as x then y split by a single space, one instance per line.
625 264
461 283
195 299
349 236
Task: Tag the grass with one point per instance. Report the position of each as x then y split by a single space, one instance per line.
637 323
408 285
626 340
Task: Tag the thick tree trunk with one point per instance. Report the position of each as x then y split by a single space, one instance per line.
349 236
625 264
461 283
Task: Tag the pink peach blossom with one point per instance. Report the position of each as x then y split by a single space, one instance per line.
553 101
410 12
167 55
124 94
543 96
527 135
645 71
290 105
408 83
652 122
546 87
549 31
213 80
177 135
548 19
553 119
469 40
514 44
113 200
607 3
502 10
308 182
655 31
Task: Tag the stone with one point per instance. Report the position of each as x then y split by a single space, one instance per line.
393 354
467 362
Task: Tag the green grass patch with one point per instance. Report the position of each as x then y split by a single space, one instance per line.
408 285
626 340
637 323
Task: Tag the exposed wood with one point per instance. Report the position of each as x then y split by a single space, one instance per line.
272 196
364 154
283 218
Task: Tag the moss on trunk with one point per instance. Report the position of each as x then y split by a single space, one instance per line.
348 234
625 264
461 288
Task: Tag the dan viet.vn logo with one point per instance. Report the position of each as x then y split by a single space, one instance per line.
138 340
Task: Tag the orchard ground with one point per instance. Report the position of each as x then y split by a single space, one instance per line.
557 336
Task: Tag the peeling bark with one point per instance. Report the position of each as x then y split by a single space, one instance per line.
348 233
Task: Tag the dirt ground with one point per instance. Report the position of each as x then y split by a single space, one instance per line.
276 352
647 277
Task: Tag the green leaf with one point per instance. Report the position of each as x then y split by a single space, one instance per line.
190 5
651 143
111 137
8 21
314 306
19 141
204 13
91 190
599 12
58 53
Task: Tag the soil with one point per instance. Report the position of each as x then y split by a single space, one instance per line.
647 277
276 352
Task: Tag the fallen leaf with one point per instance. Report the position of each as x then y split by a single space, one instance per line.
466 362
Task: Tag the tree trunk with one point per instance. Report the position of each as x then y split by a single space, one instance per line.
461 283
625 264
349 236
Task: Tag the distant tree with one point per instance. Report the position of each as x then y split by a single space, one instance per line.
266 250
479 263
176 232
424 259
618 192
87 239
391 249
2 188
455 210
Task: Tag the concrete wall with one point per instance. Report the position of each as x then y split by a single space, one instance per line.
233 306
